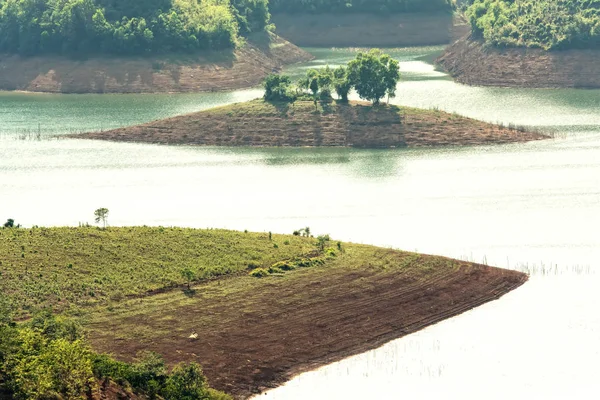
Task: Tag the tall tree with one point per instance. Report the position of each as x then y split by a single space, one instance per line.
374 75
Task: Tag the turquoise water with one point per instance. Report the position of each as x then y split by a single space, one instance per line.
533 207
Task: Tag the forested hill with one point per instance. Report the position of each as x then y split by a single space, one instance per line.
546 24
360 6
76 27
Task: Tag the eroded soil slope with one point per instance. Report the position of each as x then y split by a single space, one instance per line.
257 333
246 67
258 123
472 63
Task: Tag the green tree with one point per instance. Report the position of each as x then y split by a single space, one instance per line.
10 223
373 75
186 382
101 215
278 88
341 83
189 276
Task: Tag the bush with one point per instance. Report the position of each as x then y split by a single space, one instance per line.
259 273
278 88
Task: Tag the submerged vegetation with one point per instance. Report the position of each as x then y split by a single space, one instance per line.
361 6
373 75
546 24
81 27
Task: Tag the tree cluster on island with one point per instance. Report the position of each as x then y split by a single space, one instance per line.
83 27
373 75
545 24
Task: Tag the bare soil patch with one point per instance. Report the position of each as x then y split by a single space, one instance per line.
242 68
255 334
258 123
471 62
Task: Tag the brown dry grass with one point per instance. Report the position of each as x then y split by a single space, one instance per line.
258 123
257 333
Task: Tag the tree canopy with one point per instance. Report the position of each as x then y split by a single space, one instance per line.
369 6
374 75
546 24
74 27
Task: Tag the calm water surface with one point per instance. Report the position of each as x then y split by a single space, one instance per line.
533 207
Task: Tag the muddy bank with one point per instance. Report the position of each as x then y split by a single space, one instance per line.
365 30
258 123
245 67
472 63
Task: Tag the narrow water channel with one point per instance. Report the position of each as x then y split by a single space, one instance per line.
533 207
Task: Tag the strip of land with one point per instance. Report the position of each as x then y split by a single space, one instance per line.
177 73
263 124
317 302
474 63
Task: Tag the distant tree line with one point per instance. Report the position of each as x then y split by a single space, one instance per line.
362 6
79 27
546 24
373 75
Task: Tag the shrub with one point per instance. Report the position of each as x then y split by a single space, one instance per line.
259 273
278 88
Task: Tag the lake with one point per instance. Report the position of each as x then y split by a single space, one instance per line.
534 207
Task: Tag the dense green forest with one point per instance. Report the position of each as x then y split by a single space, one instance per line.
546 24
31 27
349 6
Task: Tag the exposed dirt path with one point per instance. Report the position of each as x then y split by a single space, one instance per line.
472 63
258 333
257 123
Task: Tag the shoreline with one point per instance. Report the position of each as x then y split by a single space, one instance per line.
243 68
473 63
260 124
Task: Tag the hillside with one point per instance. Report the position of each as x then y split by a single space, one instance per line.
258 123
545 24
80 28
243 67
320 300
474 63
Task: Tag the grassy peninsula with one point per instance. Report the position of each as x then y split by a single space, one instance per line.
528 43
299 124
252 308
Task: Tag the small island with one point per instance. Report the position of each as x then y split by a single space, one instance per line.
306 115
253 309
531 43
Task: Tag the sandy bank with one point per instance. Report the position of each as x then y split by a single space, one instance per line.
258 123
245 67
472 63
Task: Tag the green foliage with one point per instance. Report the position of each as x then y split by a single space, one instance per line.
188 275
101 214
374 75
111 265
41 363
322 241
10 223
81 27
278 88
546 24
359 6
259 273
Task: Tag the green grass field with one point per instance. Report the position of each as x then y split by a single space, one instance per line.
65 267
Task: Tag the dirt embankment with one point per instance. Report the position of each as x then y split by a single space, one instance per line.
257 334
365 30
245 67
258 123
473 63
